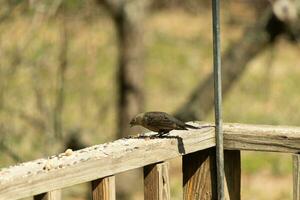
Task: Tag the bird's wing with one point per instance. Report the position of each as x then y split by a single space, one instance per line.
163 121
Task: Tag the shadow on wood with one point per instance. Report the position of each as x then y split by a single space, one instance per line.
156 182
296 176
104 188
199 175
232 167
52 195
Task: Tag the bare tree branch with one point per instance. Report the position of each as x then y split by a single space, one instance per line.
61 74
235 60
4 148
255 40
7 150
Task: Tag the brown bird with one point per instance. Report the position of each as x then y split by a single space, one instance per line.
160 122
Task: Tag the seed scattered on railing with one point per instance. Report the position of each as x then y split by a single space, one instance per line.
68 152
48 166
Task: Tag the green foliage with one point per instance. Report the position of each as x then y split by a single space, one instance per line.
274 163
178 57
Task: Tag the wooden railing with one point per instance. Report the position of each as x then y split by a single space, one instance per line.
44 178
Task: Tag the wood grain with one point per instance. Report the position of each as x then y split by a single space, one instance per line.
199 175
156 182
42 175
52 195
262 138
104 188
232 168
98 161
296 177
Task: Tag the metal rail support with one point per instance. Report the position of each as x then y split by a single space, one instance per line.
218 97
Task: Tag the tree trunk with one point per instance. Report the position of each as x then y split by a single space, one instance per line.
129 18
234 63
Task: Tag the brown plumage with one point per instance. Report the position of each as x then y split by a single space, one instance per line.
160 122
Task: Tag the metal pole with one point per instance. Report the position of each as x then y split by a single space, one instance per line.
218 97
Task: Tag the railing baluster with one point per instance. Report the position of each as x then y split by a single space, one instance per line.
52 195
156 182
232 165
104 188
199 175
296 177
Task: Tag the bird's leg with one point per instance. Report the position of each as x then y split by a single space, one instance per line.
162 132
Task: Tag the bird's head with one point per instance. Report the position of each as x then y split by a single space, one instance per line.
137 120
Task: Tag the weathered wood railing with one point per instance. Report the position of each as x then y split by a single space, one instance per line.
98 164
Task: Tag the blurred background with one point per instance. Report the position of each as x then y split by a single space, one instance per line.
73 73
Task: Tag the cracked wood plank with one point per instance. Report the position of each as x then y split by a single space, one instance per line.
156 182
42 175
67 169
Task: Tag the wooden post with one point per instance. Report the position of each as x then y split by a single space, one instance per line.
199 175
232 165
156 182
104 188
296 177
52 195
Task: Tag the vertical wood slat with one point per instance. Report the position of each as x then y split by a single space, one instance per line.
156 182
232 167
104 188
199 175
52 195
296 177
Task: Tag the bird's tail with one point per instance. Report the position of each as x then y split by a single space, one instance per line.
194 127
190 126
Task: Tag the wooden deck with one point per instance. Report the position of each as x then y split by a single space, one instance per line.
95 163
